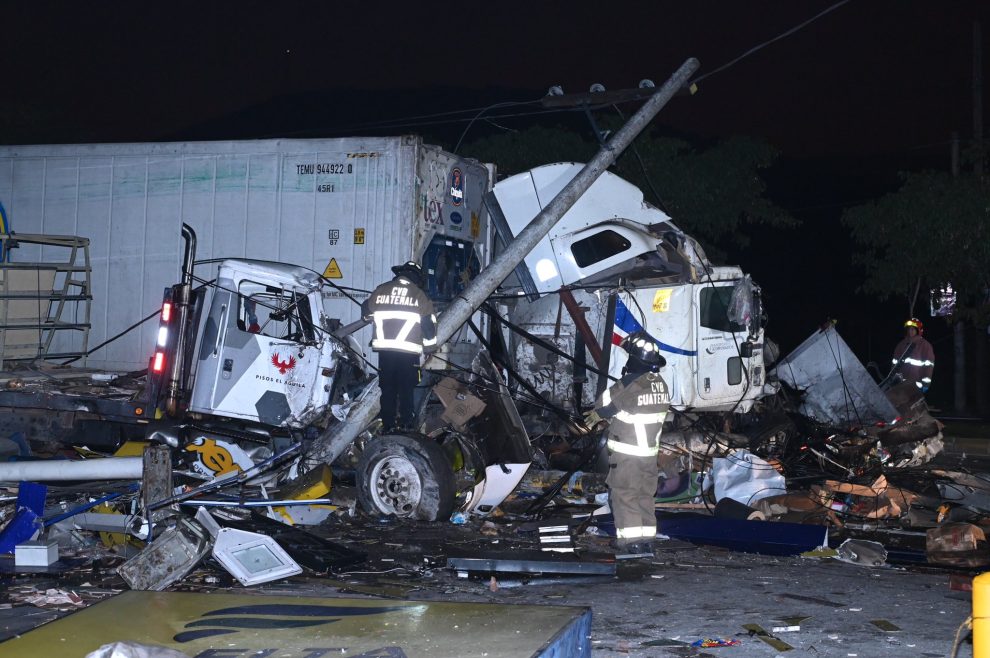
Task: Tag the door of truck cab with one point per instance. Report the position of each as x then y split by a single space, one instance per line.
720 366
259 358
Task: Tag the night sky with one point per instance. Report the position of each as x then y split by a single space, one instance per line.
872 76
866 90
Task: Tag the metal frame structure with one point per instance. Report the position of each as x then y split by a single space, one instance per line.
69 296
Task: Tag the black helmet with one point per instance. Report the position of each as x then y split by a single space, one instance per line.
644 353
411 270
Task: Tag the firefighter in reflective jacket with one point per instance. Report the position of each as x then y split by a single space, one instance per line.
404 328
637 405
914 358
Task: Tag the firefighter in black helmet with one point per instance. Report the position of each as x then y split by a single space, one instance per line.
637 405
404 328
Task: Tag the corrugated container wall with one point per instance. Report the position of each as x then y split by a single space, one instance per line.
349 208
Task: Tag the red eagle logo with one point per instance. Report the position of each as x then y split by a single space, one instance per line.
283 366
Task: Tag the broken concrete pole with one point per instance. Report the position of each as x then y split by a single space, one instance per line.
51 470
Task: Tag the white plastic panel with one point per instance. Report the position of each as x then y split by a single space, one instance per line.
521 197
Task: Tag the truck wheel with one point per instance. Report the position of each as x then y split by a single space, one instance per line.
406 476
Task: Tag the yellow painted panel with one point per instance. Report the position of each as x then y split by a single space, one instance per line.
220 625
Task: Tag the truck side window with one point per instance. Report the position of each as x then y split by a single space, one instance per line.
715 309
733 371
598 247
272 312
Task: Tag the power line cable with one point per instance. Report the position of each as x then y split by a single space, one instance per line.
763 45
435 115
642 166
476 117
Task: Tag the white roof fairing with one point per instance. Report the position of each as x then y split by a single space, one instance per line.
609 204
610 197
269 272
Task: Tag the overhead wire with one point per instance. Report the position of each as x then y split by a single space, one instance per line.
847 393
642 166
768 42
127 330
452 116
314 326
404 121
494 386
476 117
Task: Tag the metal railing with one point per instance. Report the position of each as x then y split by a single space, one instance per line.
44 302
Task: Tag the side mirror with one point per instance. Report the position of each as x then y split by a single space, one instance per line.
746 350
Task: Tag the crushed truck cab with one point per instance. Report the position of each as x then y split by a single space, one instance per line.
627 267
265 352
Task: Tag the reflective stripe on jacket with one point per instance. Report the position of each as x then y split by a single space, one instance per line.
403 317
637 407
914 358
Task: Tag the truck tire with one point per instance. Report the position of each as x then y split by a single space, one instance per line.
406 476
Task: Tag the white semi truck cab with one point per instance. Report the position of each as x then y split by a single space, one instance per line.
250 362
622 265
265 352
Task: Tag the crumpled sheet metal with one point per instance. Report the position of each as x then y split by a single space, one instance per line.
134 650
837 388
862 552
920 453
167 559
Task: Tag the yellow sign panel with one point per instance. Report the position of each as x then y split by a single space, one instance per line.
475 225
359 236
661 300
333 270
221 625
216 458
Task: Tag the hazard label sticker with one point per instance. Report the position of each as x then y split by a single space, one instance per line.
333 270
359 236
661 300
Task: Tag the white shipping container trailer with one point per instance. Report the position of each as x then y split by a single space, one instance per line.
349 208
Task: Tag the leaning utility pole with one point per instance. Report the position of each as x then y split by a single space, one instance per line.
332 443
492 276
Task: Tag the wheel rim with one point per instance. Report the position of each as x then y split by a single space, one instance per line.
395 486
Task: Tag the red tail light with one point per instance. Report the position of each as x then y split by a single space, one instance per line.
158 365
167 312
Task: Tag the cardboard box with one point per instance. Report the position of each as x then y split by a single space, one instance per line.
877 501
460 405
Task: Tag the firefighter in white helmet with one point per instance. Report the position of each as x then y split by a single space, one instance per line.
405 328
914 358
637 405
